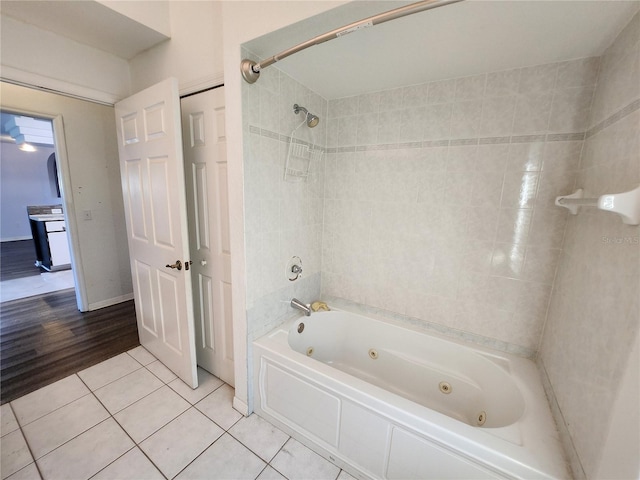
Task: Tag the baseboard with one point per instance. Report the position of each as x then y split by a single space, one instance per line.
15 239
110 301
240 406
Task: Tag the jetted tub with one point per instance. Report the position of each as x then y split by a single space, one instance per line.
383 401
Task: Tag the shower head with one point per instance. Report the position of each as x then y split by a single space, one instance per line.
312 120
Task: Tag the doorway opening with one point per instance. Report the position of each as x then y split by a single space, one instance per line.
34 244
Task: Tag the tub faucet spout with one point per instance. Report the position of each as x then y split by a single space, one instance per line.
295 303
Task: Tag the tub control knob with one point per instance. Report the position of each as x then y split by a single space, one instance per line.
294 269
203 262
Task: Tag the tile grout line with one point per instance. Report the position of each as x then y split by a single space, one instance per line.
191 405
92 392
24 437
136 445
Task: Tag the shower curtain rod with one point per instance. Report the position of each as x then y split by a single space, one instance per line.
251 70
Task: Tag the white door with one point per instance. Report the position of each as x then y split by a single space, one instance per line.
204 140
151 166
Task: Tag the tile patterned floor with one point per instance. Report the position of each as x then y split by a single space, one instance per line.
130 417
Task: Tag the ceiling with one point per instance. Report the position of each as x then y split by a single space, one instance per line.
87 22
452 41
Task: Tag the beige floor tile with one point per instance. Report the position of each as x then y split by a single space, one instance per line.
225 459
217 406
8 422
63 424
14 453
162 372
259 436
47 399
133 465
128 390
178 443
30 472
142 355
86 454
106 372
270 474
295 461
207 383
151 413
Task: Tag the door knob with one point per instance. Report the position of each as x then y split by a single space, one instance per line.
177 265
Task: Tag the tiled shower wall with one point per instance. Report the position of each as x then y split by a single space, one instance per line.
593 316
282 218
438 200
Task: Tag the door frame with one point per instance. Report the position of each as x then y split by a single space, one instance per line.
66 192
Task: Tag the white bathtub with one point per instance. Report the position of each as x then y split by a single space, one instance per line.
383 401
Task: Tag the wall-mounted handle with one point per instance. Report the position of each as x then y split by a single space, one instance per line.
626 204
177 265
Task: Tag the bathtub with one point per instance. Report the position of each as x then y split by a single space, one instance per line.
382 401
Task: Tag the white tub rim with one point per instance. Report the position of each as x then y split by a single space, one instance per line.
497 443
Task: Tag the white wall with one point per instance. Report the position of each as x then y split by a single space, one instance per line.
153 14
282 218
243 21
34 56
620 460
587 349
94 171
24 180
193 54
448 189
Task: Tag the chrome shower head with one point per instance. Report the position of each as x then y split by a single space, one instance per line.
312 120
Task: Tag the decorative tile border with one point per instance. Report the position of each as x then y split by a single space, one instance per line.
456 142
619 115
549 137
282 138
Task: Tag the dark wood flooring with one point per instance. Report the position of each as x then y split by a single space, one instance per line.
17 260
45 338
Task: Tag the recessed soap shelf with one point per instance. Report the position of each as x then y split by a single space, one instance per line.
626 204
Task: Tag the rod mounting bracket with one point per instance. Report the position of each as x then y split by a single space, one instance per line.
248 73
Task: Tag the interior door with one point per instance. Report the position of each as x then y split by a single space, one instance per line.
204 142
151 166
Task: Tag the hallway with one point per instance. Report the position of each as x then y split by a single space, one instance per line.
20 278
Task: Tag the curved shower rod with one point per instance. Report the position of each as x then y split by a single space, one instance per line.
251 70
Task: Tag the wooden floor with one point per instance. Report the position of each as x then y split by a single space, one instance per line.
45 338
17 260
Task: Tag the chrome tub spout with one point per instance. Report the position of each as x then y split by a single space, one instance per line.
295 303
